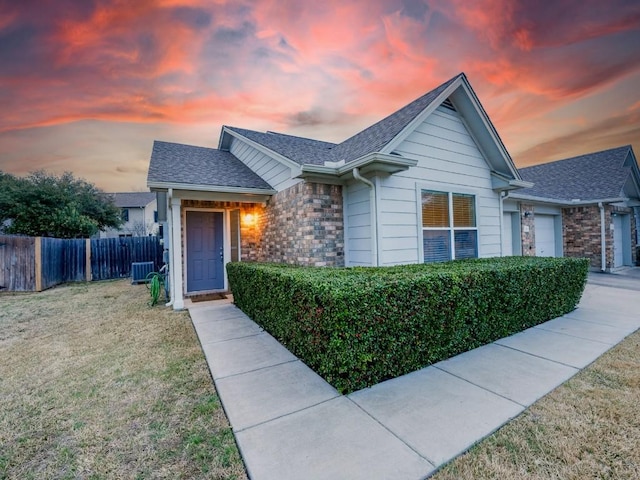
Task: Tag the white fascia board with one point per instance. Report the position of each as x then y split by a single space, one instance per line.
392 160
267 151
490 129
411 126
566 203
210 188
395 162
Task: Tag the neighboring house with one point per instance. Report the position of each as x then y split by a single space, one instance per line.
424 184
585 206
139 215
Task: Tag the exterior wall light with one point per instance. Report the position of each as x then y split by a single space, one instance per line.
249 219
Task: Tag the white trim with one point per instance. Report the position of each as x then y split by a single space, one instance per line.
267 151
177 291
225 246
450 190
413 124
566 203
210 188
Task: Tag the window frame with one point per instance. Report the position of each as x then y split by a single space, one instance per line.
450 191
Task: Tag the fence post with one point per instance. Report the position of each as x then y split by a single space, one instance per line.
37 245
88 259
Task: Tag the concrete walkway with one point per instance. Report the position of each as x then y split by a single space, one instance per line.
290 424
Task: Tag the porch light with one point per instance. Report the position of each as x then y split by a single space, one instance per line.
249 219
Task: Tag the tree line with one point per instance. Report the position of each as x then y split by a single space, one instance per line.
47 205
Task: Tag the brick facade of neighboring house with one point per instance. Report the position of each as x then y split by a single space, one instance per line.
302 225
528 230
581 233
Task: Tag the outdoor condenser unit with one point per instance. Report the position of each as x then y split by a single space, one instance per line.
139 271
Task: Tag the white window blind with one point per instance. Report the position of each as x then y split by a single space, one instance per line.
449 228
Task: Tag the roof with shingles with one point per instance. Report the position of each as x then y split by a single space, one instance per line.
132 199
299 149
186 164
594 176
305 151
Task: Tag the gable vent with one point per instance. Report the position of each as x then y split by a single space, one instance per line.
447 104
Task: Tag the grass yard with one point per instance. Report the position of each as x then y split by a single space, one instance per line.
95 384
587 428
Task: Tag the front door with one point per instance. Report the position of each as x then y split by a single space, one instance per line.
205 252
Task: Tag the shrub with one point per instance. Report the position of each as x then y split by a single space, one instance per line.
359 326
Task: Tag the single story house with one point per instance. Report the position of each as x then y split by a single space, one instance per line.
430 182
139 214
585 206
427 183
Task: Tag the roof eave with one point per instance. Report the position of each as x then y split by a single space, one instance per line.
371 163
502 183
210 188
568 203
258 146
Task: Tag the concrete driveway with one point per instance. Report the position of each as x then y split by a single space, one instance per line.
627 278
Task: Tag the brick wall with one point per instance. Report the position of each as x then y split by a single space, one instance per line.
527 219
301 225
581 233
304 225
250 231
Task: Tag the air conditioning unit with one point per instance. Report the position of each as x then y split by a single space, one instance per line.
139 272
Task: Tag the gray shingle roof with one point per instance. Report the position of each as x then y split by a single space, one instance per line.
378 135
186 164
300 150
132 199
372 139
594 176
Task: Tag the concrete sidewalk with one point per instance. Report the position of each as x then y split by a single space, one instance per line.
290 424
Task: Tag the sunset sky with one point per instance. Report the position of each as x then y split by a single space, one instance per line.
87 85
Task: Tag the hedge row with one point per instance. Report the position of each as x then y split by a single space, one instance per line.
359 326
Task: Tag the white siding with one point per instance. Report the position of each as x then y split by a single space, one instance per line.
273 172
357 210
448 160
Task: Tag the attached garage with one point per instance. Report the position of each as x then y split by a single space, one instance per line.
545 236
622 255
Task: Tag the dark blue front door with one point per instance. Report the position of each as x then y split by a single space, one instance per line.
205 258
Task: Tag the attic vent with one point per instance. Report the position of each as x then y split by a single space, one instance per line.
447 104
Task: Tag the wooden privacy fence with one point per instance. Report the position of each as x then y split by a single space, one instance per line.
37 263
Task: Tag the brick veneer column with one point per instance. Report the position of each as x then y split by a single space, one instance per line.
581 235
527 219
304 225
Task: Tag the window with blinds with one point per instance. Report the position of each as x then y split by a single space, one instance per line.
449 228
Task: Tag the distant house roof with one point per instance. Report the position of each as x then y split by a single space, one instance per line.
133 199
174 163
305 151
594 176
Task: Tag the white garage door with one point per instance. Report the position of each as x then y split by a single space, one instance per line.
618 250
545 236
507 235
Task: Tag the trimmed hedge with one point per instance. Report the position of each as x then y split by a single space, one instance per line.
359 326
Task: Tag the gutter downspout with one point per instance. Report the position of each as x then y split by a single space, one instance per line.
603 239
503 195
374 219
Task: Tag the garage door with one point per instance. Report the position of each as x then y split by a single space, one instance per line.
618 250
507 235
545 236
